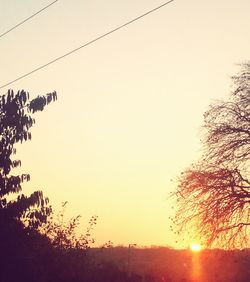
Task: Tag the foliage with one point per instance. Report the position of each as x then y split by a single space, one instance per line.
16 119
214 195
64 235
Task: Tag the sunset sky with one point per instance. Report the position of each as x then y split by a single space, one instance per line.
130 106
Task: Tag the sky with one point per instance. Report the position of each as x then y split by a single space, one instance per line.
130 106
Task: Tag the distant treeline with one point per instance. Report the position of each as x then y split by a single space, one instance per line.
166 264
29 256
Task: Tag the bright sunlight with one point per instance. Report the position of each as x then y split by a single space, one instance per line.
195 247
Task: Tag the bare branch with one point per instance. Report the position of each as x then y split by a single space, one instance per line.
213 197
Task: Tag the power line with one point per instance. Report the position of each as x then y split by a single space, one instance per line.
30 17
86 44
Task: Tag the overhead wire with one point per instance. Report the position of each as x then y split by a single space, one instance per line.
86 44
27 19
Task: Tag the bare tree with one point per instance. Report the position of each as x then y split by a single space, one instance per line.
213 196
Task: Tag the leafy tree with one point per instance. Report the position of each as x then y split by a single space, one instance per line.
213 196
63 234
16 119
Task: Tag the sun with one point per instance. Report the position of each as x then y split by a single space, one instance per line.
195 247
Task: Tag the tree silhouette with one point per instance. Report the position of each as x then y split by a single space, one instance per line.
64 234
213 196
16 119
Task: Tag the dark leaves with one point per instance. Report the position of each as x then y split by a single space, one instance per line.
40 102
15 122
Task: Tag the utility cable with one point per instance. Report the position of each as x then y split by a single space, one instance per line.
86 44
27 19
